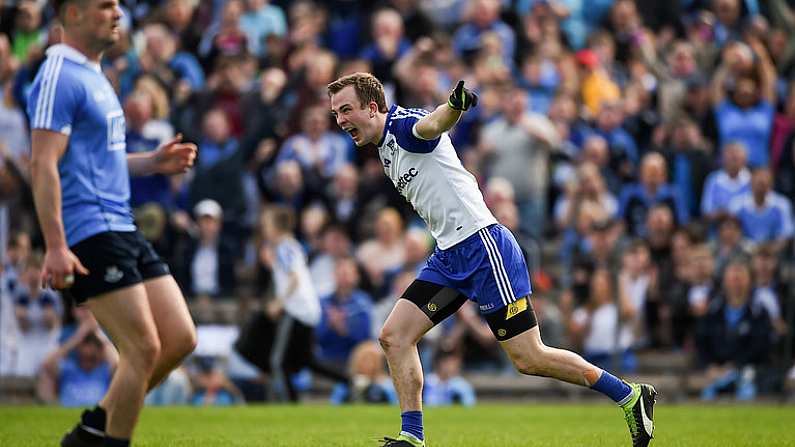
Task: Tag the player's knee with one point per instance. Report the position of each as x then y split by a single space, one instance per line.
146 354
187 342
390 339
527 366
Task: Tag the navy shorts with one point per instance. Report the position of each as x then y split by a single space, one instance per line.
114 259
487 267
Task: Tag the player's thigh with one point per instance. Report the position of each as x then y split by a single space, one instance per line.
127 318
174 324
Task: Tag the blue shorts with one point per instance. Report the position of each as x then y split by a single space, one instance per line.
488 267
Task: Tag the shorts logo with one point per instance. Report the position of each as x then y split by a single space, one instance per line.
433 307
113 274
515 308
502 332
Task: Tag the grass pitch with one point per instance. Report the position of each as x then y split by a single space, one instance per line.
529 425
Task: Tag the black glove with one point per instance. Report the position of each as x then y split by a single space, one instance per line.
462 98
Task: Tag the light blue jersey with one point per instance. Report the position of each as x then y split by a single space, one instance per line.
70 95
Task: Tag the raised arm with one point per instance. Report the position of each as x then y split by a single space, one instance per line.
445 116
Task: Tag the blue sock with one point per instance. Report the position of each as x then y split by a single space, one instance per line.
412 424
613 387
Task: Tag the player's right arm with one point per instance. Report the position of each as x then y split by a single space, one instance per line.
59 262
431 126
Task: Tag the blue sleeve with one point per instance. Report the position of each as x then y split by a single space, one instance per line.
682 215
626 194
189 69
54 98
323 330
403 129
785 230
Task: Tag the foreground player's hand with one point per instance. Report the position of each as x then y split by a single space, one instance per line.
462 98
60 266
175 157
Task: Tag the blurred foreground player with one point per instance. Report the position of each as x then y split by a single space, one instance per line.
80 174
476 258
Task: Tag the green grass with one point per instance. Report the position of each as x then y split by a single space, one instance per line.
531 425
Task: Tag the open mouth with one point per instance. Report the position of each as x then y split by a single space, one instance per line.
352 131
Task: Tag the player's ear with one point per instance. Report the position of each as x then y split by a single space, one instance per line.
373 108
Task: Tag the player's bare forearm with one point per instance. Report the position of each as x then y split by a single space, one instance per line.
141 164
47 149
439 121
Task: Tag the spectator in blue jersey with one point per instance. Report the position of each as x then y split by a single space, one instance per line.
388 45
320 152
652 189
766 216
219 170
734 337
260 20
164 59
347 314
624 154
145 134
483 16
445 385
689 162
78 373
746 114
723 185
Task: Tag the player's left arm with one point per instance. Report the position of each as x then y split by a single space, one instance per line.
173 157
445 116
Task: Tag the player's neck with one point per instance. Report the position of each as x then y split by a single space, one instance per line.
380 123
93 55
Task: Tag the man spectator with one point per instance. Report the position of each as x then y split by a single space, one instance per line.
734 337
766 216
483 16
724 185
208 259
262 19
78 373
346 316
653 189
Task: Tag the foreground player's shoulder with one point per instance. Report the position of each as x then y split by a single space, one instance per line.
401 125
54 95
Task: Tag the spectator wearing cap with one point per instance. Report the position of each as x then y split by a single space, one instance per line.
653 189
724 185
765 215
208 259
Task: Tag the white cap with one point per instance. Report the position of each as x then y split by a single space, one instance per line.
208 207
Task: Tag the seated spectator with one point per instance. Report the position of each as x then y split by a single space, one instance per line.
208 258
729 244
175 389
346 316
724 185
418 246
371 383
335 244
211 386
652 189
767 290
218 174
624 154
637 278
313 220
599 326
319 151
385 253
765 215
445 385
37 313
734 337
163 58
78 373
262 19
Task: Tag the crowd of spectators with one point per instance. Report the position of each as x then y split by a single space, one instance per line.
651 143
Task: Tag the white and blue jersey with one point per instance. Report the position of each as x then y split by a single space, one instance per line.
474 254
70 95
772 221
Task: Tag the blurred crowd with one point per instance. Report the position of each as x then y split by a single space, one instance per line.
643 150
